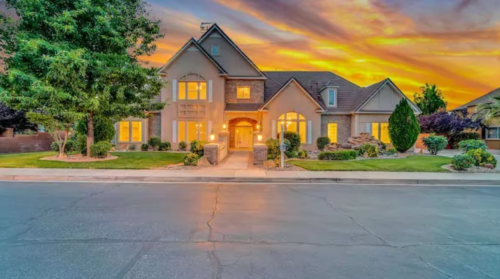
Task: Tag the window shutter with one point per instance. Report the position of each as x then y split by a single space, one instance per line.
309 132
273 130
174 90
174 131
210 93
369 128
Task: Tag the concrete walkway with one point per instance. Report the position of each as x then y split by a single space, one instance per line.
250 175
237 160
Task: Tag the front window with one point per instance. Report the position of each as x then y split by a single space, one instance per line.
192 130
294 122
493 133
243 92
331 97
215 50
332 132
192 87
130 131
380 131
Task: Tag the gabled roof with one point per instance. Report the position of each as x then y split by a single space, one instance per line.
216 27
481 100
313 97
193 42
367 93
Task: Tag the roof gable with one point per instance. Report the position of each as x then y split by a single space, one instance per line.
193 43
216 28
481 100
301 88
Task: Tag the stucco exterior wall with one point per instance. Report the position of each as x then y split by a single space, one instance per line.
256 91
343 126
385 100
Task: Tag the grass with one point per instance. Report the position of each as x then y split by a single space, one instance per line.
409 164
126 160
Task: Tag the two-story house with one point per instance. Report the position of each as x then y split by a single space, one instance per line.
213 86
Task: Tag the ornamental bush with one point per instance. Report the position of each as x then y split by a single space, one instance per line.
370 149
482 157
291 154
467 145
182 145
303 154
389 152
144 147
154 142
435 143
273 148
338 155
403 126
100 149
191 159
454 140
69 147
132 147
165 146
322 142
462 161
294 140
198 147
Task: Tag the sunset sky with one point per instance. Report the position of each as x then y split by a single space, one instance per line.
452 43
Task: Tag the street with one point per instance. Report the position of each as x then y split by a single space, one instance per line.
191 231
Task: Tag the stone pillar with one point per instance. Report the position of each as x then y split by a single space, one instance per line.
212 153
259 153
8 133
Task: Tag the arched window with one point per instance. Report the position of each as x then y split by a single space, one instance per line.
294 122
192 87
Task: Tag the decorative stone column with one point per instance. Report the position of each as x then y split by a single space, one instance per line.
259 153
212 153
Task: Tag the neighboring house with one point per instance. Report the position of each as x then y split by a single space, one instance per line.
490 134
213 86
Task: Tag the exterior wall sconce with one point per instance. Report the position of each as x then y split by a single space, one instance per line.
258 127
224 126
259 138
212 137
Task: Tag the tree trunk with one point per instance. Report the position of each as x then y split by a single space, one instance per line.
61 150
90 133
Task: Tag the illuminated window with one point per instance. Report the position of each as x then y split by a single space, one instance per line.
294 122
375 131
192 87
332 132
130 131
380 131
192 130
243 92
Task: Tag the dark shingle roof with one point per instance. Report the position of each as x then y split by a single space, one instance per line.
481 100
366 92
242 107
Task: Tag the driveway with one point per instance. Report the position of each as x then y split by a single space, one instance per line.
93 230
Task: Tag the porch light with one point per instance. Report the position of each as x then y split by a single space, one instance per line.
258 127
212 137
224 126
259 138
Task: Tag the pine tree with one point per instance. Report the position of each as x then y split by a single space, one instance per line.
403 126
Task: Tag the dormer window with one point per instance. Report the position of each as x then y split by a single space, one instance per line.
332 97
215 50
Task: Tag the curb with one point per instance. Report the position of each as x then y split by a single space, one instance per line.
145 179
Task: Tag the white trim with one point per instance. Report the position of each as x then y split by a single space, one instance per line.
368 127
174 131
301 89
210 90
309 132
273 130
174 90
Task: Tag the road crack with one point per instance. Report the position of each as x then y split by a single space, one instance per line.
214 212
145 248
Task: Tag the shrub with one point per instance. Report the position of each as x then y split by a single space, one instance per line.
482 157
302 154
291 154
191 159
294 140
165 146
144 147
403 126
69 147
273 148
132 147
182 145
454 140
100 149
370 149
338 155
462 161
467 145
154 142
391 151
435 143
322 142
198 147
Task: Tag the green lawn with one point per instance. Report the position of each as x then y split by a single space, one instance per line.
126 160
410 164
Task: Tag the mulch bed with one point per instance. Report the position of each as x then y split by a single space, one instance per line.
470 170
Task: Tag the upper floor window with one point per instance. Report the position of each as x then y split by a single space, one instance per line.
332 97
243 92
215 50
192 87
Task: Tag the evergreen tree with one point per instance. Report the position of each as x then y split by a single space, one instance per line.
403 126
78 59
431 100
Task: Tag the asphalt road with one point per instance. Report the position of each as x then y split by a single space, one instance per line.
95 230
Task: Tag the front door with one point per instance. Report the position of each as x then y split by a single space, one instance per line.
244 137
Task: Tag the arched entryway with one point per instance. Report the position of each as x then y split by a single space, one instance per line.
241 132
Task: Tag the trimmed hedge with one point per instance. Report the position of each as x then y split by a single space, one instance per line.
154 142
191 159
322 142
370 149
338 155
467 145
100 149
482 157
144 147
165 146
182 145
462 161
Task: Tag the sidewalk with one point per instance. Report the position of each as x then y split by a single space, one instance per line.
251 175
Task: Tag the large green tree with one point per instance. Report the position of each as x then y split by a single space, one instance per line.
430 100
79 58
403 126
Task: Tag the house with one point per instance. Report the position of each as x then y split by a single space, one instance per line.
212 86
490 134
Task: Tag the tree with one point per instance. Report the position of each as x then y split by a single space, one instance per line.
449 123
430 100
403 126
10 118
489 111
55 125
80 57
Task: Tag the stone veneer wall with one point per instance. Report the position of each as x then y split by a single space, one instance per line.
259 154
256 91
154 125
343 126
